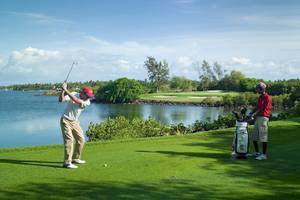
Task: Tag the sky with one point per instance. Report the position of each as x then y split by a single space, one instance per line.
39 39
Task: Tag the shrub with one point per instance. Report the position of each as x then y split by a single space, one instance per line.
240 100
179 129
291 112
209 101
295 111
120 127
281 100
227 100
222 122
249 98
122 90
181 83
109 129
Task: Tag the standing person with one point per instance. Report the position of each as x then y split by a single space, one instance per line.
262 113
70 126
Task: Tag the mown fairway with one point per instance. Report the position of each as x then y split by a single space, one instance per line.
180 167
193 97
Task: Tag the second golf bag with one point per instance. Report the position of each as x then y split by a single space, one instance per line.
241 137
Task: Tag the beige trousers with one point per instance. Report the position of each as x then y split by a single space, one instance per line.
71 130
260 132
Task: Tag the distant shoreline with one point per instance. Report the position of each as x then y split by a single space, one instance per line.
166 102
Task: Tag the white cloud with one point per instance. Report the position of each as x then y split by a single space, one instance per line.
40 18
96 40
267 69
100 59
30 59
95 62
183 66
185 61
97 59
129 48
124 64
240 60
1 60
185 1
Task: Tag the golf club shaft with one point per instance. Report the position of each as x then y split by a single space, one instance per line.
70 71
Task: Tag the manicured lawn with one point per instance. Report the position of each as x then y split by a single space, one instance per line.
180 167
186 96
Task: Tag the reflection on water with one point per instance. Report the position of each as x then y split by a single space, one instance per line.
178 116
35 126
159 113
28 119
114 110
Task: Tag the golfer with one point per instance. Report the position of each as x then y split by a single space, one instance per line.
70 126
262 113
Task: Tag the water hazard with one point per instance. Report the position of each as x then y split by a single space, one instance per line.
27 118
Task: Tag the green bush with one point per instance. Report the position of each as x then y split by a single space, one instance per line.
120 128
209 101
222 122
281 100
228 100
181 83
249 98
291 112
296 109
179 129
122 90
109 129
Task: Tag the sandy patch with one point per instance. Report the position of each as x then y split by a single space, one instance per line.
197 97
164 97
214 91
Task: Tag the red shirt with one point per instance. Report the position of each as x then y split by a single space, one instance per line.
264 104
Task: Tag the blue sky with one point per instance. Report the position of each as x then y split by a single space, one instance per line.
112 38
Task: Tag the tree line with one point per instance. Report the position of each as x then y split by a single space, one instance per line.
211 77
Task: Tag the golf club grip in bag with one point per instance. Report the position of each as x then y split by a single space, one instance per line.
241 146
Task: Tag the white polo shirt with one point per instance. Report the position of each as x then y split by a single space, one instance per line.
73 110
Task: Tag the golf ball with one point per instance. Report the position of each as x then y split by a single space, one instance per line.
105 165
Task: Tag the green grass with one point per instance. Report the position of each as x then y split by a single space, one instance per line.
179 167
186 96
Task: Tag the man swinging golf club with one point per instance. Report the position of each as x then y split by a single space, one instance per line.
70 126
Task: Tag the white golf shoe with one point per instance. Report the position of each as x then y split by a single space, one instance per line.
70 166
261 157
78 161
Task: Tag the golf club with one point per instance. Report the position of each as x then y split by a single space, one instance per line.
74 63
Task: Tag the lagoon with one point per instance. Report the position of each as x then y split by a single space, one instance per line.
28 118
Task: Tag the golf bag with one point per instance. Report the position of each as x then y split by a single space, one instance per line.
240 143
241 140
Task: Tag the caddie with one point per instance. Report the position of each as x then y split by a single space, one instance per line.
262 114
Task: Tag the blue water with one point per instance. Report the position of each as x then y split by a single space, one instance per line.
27 118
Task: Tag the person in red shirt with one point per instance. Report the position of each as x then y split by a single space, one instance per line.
262 113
